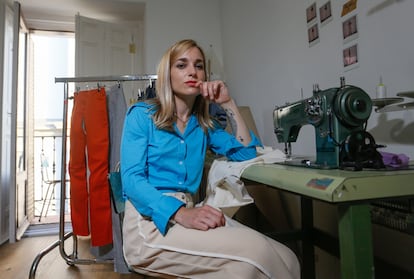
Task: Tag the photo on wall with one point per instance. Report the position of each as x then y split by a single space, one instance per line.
349 7
325 13
313 34
350 57
311 13
350 29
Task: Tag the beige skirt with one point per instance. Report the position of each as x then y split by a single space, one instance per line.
233 251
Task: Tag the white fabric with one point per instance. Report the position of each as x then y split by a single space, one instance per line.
225 190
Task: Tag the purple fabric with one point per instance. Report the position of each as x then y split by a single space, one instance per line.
395 160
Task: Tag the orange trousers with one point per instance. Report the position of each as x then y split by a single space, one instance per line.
88 167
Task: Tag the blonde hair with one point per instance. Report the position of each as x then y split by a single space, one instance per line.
165 102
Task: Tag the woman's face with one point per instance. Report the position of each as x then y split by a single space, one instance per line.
187 72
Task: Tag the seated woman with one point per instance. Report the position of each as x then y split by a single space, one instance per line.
163 148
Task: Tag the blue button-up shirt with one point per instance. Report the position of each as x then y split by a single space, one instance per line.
154 161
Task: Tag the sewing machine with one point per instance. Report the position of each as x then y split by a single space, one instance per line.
339 116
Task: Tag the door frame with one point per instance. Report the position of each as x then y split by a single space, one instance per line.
17 224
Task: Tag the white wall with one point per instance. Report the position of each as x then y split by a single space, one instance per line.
169 21
268 61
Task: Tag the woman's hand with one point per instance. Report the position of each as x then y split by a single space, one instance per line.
215 91
200 218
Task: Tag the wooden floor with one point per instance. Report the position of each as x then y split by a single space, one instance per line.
16 260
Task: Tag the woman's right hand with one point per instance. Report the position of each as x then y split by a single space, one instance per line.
200 218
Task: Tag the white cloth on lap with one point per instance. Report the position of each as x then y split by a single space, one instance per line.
225 190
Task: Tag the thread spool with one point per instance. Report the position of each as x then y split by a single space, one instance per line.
381 90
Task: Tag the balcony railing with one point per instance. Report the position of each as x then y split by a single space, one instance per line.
47 175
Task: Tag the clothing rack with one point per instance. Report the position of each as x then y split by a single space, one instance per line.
73 259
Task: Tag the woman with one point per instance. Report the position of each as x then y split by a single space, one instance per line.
163 149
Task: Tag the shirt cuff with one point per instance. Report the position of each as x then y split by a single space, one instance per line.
164 211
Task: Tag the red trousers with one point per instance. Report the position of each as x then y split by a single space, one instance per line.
88 167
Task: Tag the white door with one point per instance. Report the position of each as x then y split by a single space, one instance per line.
108 49
13 143
6 106
22 193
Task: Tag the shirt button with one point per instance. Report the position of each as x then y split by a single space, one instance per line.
180 162
181 141
180 182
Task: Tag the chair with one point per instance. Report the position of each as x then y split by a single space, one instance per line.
118 203
51 183
116 192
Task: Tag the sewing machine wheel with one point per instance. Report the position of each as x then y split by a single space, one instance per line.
352 106
359 150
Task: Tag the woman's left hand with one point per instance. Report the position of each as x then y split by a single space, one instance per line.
216 91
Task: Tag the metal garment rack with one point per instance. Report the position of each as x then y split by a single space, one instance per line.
73 259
